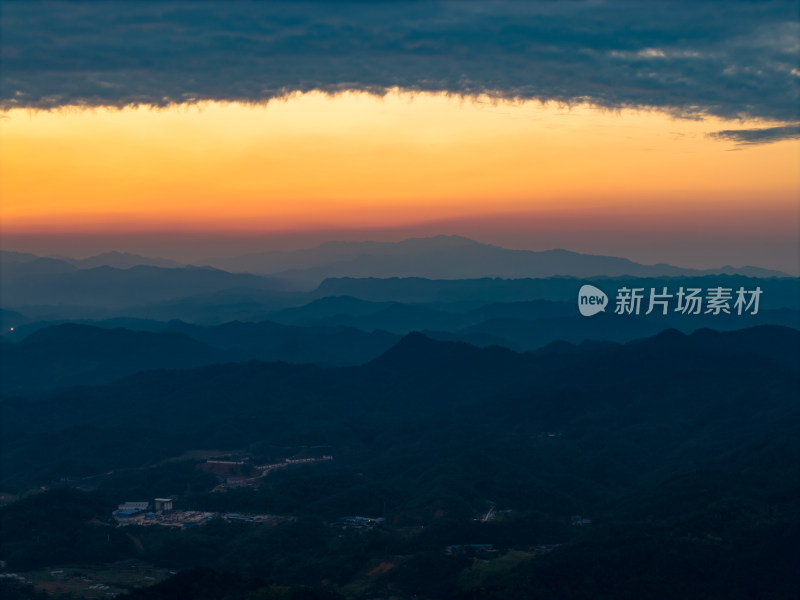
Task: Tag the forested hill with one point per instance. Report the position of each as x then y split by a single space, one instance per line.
679 452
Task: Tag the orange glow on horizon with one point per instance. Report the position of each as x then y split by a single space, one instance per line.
355 160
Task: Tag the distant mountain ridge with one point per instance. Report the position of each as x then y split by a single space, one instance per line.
48 281
50 289
449 257
119 260
436 257
778 292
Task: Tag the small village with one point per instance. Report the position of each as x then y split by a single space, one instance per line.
161 513
232 472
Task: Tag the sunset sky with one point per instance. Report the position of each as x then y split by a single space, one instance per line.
172 128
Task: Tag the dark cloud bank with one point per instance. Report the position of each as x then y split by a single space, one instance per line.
727 59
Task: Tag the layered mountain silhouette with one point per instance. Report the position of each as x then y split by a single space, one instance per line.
438 269
522 324
777 292
439 257
72 354
682 387
119 260
448 257
47 281
77 354
445 378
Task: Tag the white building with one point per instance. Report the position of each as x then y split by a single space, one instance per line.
162 504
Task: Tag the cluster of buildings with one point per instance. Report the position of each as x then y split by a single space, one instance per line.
162 513
130 510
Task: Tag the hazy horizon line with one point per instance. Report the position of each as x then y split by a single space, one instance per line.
182 246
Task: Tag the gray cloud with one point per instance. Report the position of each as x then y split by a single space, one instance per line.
759 136
729 59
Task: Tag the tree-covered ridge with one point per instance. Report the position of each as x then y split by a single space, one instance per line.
678 452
